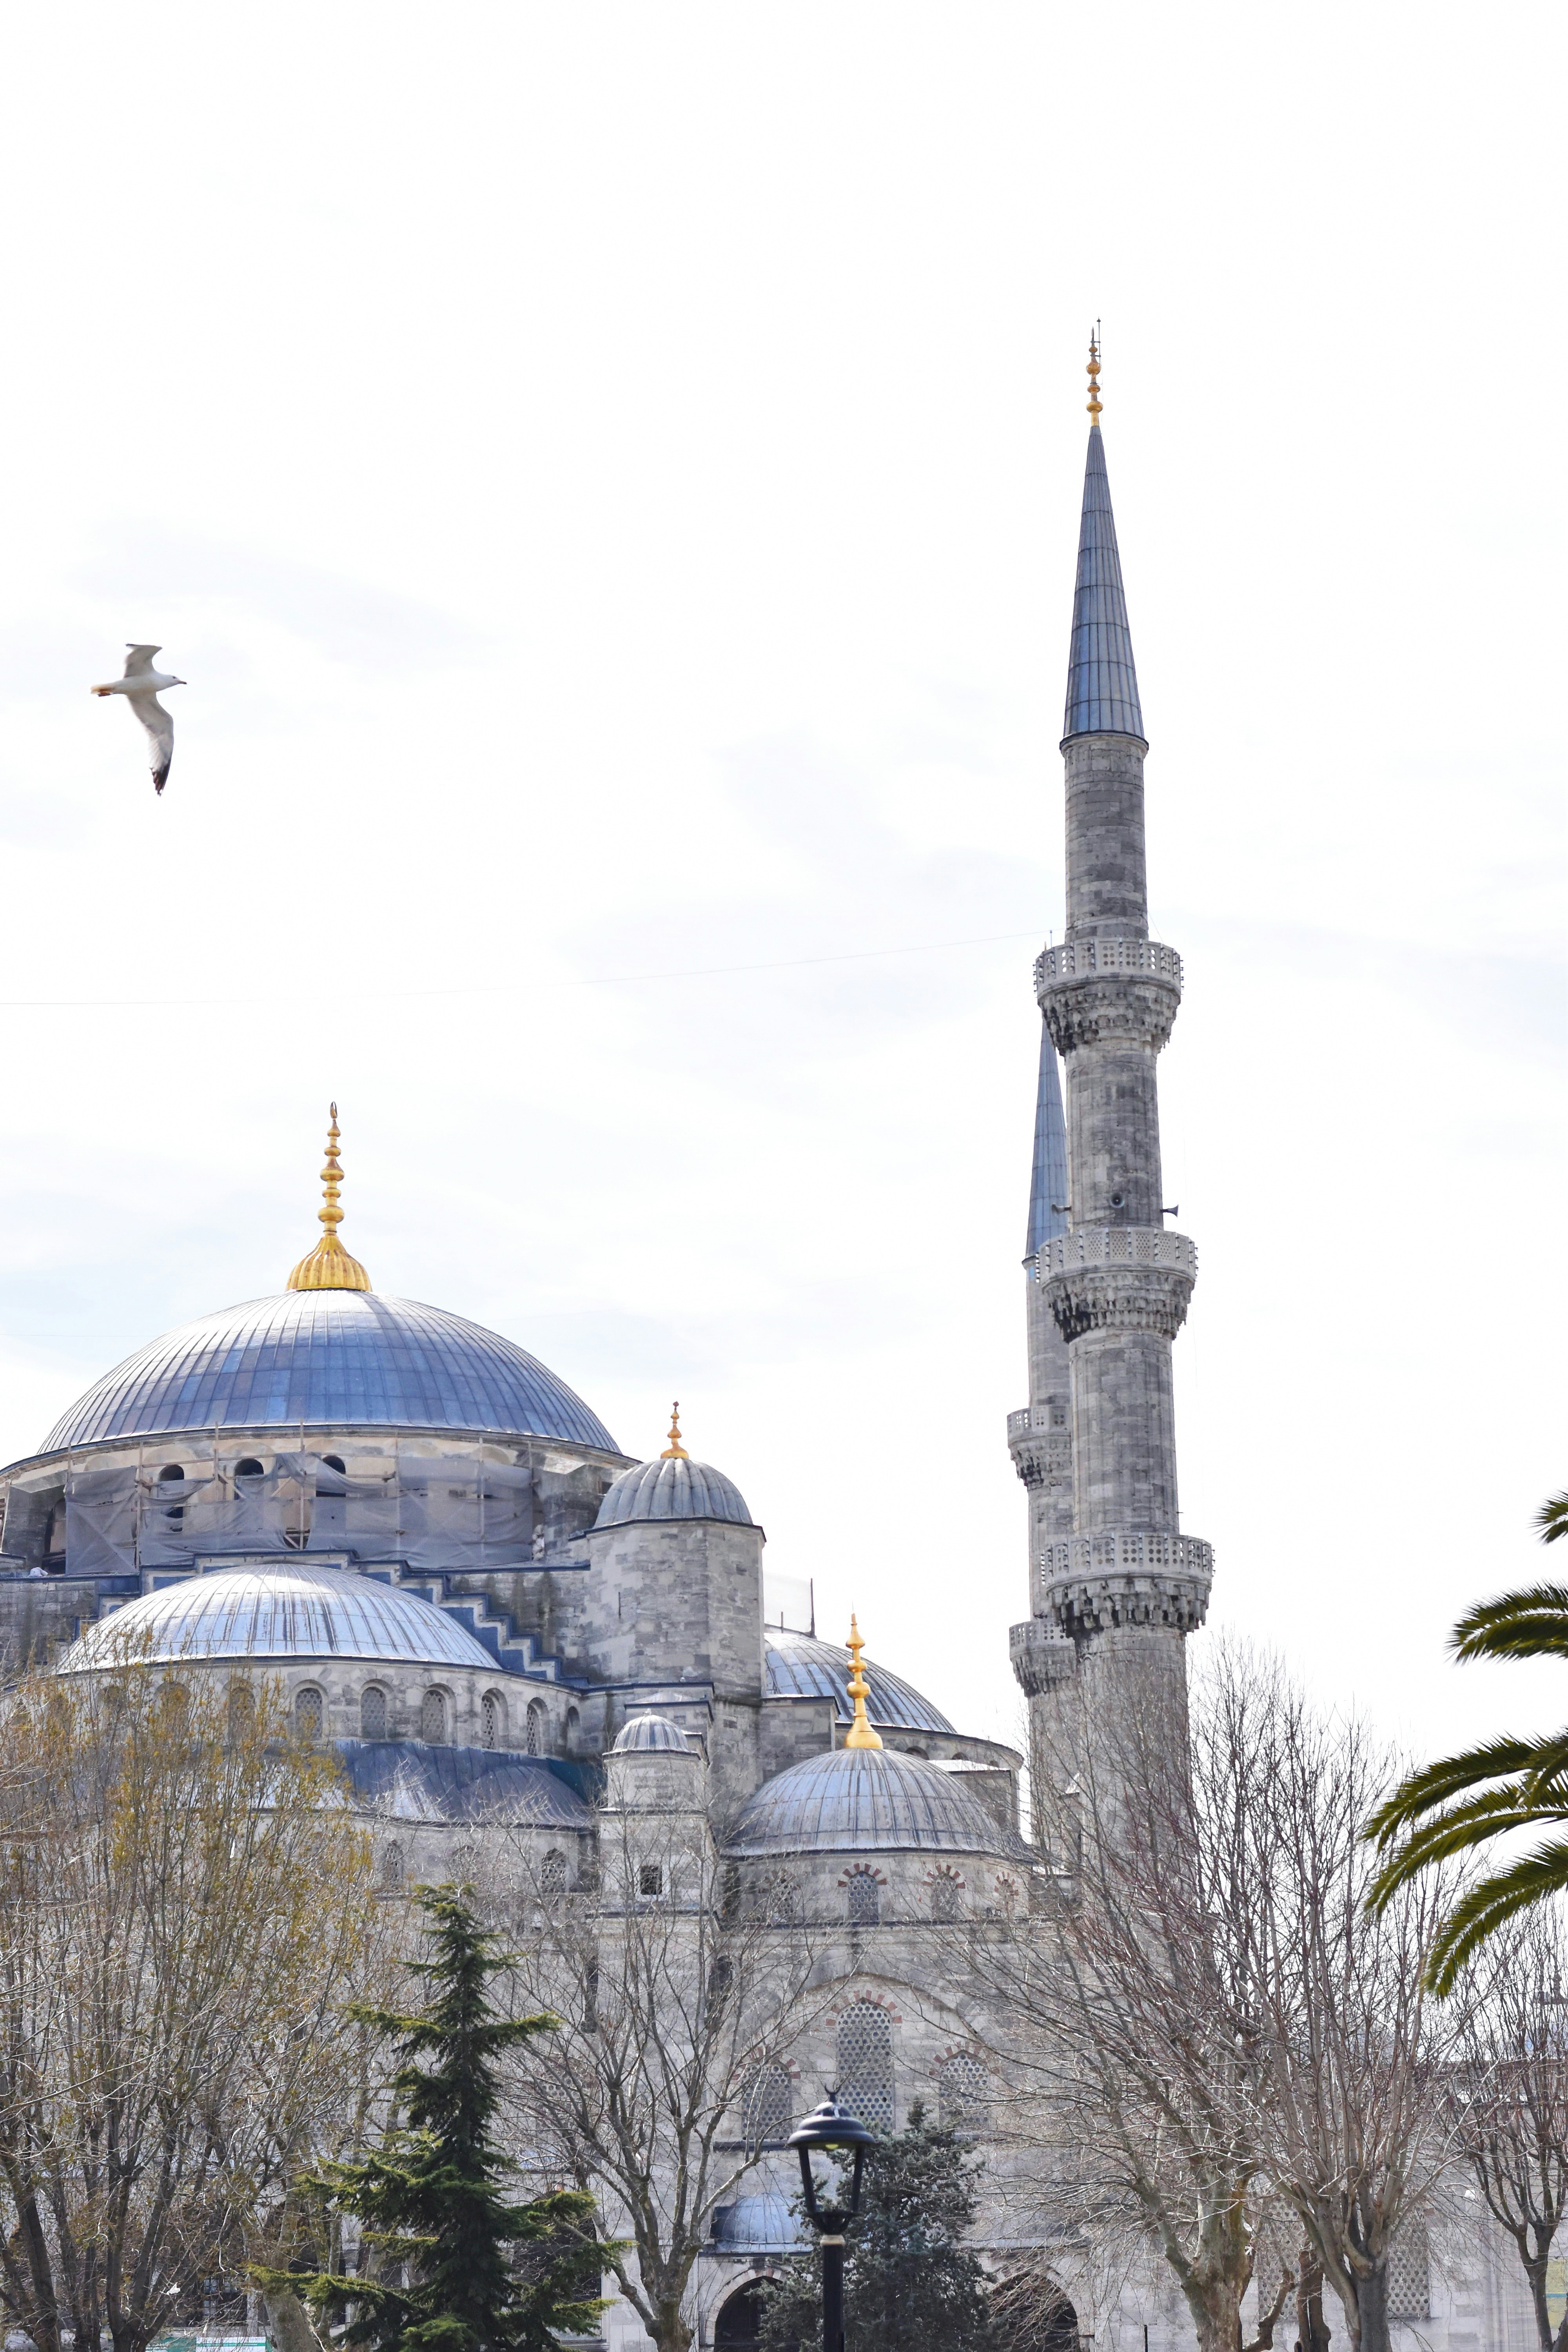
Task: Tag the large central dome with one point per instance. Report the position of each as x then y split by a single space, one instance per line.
329 1358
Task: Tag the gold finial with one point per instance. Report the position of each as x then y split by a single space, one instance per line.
859 1733
675 1451
329 1265
1094 402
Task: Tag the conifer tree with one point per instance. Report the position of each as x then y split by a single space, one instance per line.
453 2267
911 2284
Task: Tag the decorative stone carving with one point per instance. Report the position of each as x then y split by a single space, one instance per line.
1127 1576
1118 1279
1043 1658
1098 991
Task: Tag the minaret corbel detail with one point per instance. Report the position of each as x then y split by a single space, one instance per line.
1114 1279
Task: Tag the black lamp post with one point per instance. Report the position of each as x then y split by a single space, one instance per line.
829 2130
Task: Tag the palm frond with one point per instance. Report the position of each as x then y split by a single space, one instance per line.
1525 1624
1552 1518
1457 1831
1535 1878
1419 1792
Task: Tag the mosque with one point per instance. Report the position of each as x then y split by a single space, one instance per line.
504 1623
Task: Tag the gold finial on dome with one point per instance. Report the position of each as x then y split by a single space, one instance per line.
675 1451
859 1733
1094 400
329 1266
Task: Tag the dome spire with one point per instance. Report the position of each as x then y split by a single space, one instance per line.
1102 682
675 1451
329 1265
859 1733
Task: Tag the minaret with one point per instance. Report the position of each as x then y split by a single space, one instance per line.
1120 1584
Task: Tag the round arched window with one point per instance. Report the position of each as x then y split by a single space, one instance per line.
389 1870
491 1720
538 1728
309 1713
432 1716
373 1713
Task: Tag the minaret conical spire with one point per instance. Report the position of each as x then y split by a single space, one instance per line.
1102 684
1048 1183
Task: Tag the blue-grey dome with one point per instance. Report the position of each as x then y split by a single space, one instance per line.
411 1781
867 1800
329 1358
800 1666
651 1731
252 1615
674 1487
767 2225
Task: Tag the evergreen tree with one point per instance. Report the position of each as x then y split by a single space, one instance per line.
455 2268
909 2282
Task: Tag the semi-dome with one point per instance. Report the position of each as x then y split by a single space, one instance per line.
800 1666
329 1358
867 1800
255 1615
673 1488
646 1731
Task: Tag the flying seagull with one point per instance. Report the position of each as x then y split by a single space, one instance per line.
141 684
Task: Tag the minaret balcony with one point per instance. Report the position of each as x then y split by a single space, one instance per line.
1043 1658
1126 1576
1118 1279
1041 1449
1099 989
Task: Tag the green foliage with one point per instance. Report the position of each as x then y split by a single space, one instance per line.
1466 1800
910 2283
481 2275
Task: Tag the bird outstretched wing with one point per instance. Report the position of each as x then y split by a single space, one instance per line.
159 729
139 659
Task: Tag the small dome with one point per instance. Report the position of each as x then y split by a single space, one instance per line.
673 1488
800 1666
869 1801
253 1615
333 1358
645 1731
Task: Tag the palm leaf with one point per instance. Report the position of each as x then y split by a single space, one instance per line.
1419 1792
1535 1878
1529 1625
1552 1518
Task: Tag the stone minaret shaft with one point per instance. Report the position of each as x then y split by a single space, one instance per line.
1122 1579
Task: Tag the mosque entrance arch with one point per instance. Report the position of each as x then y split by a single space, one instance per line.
740 2320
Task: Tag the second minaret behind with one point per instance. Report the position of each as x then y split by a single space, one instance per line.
1125 1586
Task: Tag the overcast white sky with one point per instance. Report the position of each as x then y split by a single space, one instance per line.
609 475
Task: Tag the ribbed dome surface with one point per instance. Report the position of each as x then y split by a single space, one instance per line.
799 1667
867 1800
248 1613
646 1731
673 1488
329 1358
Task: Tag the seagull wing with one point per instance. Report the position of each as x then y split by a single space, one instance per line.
139 659
159 729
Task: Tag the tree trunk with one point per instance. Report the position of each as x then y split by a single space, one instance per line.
1216 2310
1312 2331
288 2324
1372 2308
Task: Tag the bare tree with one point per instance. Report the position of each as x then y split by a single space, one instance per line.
677 2006
183 1901
1513 2116
1241 2058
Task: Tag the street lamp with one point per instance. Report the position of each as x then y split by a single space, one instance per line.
828 2129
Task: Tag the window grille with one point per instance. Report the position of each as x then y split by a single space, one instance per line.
241 1707
785 1908
769 2107
650 1878
433 1718
535 1732
308 1714
865 1899
961 2094
489 1721
373 1713
1410 2273
391 1872
945 1896
865 2064
552 1873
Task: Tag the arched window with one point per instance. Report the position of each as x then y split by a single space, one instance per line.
865 1898
538 1723
865 2064
1007 1897
574 1727
961 2094
946 1895
739 2323
172 1475
389 1870
309 1713
769 2107
432 1716
493 1718
249 1468
373 1713
334 1462
241 1708
174 1704
784 1903
552 1873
